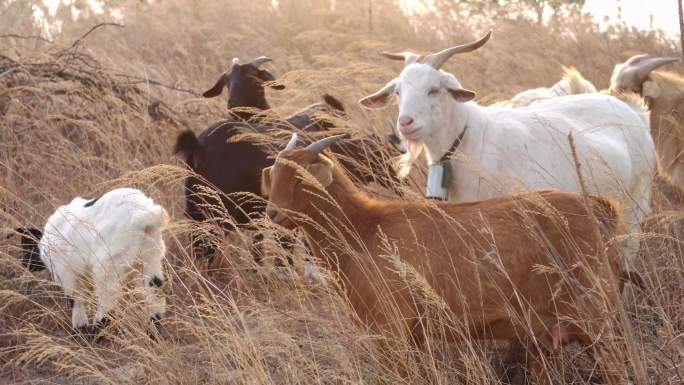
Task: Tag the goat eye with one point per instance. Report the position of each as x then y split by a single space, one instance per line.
433 91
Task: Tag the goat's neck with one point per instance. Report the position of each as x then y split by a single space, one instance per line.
338 224
246 111
459 117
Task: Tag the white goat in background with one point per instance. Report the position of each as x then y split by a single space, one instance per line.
572 83
102 239
477 152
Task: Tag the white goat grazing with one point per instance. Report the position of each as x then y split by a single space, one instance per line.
572 83
499 150
103 239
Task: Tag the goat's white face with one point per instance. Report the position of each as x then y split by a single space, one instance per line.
424 94
633 74
624 78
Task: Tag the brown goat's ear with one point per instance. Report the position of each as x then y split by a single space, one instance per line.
322 171
218 87
266 181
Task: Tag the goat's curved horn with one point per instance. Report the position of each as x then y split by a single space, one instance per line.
407 57
293 142
646 66
320 145
437 60
260 60
635 59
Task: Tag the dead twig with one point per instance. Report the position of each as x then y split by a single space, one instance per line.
80 39
135 81
27 37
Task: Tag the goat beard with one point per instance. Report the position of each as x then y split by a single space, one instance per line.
404 162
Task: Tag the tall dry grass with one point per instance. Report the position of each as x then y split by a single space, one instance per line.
78 120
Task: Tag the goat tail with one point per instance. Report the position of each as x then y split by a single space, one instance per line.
608 215
578 84
333 102
154 218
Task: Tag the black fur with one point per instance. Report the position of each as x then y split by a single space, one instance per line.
156 282
234 167
97 328
91 202
245 84
395 141
188 146
334 102
30 253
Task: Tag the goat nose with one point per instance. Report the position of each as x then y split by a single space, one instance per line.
405 121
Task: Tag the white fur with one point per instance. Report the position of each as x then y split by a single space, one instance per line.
104 242
512 149
571 84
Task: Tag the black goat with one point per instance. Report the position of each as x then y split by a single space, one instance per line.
233 166
245 83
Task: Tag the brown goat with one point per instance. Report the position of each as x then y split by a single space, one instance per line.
539 256
663 92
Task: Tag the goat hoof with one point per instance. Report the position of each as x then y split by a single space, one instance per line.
99 325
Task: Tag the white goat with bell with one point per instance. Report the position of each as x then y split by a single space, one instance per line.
102 239
477 152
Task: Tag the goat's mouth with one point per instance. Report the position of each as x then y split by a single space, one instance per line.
411 133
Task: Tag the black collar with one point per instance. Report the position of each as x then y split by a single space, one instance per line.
454 146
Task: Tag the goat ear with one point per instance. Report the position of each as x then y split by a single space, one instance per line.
30 253
380 98
218 87
462 95
266 181
269 80
650 89
29 232
322 171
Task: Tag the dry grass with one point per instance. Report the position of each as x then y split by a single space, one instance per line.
79 120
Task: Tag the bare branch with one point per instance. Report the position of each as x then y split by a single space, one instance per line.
37 37
78 41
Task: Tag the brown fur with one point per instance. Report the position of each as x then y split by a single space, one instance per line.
474 256
663 94
667 116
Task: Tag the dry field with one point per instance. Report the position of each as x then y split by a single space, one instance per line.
85 112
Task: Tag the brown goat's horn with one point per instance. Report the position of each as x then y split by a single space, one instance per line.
407 57
437 60
316 147
260 60
293 142
646 66
635 59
